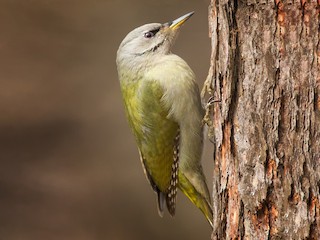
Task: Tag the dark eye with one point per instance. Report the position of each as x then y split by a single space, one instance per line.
148 34
151 34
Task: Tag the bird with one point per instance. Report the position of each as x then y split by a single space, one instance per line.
163 107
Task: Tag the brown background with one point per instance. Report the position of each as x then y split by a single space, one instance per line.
69 167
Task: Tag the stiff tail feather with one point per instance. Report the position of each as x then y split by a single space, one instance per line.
201 201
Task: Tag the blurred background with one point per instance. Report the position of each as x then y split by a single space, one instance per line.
69 166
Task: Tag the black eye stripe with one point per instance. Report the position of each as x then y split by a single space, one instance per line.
155 31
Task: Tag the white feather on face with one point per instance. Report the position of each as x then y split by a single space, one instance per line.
147 40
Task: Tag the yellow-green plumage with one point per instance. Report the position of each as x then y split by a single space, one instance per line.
164 110
154 132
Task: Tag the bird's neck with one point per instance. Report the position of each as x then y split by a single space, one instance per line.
137 65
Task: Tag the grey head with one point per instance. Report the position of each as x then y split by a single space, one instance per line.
148 41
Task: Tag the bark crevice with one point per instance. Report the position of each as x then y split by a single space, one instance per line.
266 131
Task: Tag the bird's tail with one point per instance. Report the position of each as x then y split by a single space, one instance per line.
202 201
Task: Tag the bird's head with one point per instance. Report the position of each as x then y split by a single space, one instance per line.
150 39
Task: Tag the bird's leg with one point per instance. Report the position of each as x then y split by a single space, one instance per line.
207 117
211 101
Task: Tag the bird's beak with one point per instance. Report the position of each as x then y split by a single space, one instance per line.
176 24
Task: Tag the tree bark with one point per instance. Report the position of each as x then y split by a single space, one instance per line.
265 69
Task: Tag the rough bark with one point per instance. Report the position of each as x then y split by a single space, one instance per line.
265 69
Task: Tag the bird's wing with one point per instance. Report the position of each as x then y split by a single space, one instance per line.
172 191
157 137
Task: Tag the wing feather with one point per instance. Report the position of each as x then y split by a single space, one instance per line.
157 138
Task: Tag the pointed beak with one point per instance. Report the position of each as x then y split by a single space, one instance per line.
176 24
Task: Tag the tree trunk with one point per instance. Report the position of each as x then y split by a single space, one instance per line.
265 69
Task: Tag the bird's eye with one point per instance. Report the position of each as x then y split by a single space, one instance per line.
148 34
152 33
